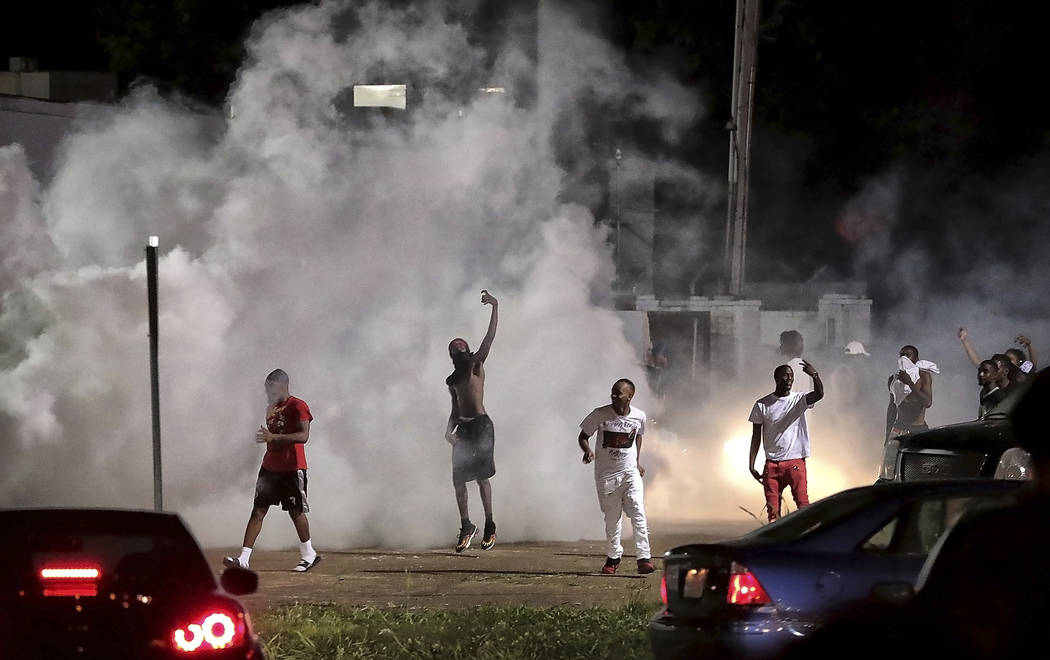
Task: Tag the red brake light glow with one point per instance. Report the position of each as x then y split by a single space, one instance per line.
216 630
70 573
744 588
663 588
70 579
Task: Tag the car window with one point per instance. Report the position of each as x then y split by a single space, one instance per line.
816 516
880 540
915 530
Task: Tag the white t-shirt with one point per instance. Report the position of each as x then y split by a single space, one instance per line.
785 435
614 429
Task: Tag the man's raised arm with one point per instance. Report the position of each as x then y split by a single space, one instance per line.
971 352
1027 343
818 387
483 351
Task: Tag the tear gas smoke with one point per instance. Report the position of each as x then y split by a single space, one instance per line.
993 286
295 236
348 251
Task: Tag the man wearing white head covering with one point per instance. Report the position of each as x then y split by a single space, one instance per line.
855 348
846 376
911 393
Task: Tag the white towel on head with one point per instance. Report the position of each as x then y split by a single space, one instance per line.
900 390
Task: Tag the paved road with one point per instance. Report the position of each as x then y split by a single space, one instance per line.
542 574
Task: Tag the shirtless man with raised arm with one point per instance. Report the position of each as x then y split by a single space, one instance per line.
470 431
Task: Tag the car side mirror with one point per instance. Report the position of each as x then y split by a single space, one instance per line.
892 593
239 581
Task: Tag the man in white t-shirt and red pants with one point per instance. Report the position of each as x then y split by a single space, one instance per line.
779 421
617 474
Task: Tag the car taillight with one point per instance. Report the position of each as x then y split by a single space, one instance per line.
663 589
211 630
744 588
70 579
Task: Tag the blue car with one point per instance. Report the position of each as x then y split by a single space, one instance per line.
755 595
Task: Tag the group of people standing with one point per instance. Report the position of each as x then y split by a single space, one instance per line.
999 375
282 478
778 421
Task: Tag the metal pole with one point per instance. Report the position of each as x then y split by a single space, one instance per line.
693 373
154 377
618 155
744 58
731 126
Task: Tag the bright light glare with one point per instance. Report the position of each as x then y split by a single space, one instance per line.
223 623
194 642
217 629
70 573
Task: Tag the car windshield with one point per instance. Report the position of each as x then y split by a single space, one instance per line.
820 514
147 554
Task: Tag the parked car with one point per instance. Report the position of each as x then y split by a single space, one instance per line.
971 450
114 584
752 596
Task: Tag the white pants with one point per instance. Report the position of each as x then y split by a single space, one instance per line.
617 495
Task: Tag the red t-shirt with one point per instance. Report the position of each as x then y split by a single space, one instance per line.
282 418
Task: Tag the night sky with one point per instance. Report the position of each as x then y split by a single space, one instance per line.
944 96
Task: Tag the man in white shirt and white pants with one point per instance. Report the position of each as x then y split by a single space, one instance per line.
779 423
617 474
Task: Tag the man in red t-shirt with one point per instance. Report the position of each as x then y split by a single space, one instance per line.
282 477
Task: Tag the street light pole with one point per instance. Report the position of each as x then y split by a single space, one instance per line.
154 381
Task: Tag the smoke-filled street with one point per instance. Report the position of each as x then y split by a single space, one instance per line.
457 300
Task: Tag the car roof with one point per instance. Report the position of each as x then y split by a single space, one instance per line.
99 519
853 502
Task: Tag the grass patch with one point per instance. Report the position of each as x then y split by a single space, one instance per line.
329 631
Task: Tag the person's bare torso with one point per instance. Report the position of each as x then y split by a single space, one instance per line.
911 411
468 389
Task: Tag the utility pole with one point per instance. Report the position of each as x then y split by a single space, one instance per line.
745 50
154 377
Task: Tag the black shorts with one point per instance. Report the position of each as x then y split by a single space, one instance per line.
472 455
285 488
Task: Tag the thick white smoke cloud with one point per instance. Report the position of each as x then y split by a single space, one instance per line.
293 237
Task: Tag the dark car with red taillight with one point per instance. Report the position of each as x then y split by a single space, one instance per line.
113 584
754 595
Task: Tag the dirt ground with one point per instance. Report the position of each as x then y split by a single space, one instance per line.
541 574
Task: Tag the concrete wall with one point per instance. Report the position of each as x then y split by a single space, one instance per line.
838 320
62 86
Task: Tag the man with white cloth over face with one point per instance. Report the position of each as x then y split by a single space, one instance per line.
617 474
911 393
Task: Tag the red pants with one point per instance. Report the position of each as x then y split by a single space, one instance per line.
777 476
